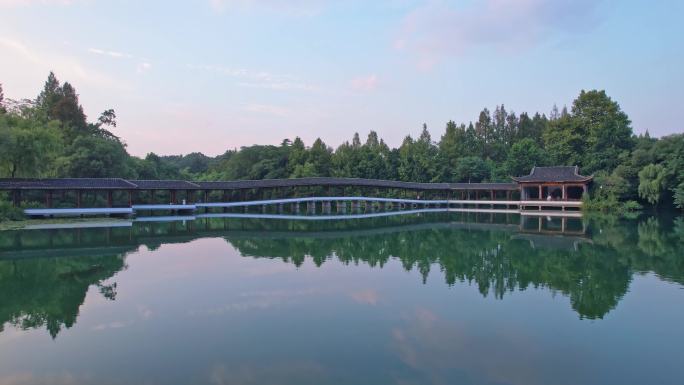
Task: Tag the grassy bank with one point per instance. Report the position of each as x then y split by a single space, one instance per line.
20 224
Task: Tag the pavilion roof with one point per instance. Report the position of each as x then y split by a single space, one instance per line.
553 174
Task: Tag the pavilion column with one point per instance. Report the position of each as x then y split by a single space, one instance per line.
109 198
206 196
173 196
540 193
48 198
78 198
584 189
130 198
565 195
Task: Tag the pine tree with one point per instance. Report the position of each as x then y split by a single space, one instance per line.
2 105
50 96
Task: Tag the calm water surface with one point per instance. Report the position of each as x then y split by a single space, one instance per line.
421 299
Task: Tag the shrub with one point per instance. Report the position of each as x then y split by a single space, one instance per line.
10 213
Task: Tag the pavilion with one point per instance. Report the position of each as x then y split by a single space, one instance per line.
553 183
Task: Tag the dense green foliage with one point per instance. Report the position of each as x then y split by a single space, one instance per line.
51 137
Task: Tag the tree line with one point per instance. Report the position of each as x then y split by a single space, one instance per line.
50 136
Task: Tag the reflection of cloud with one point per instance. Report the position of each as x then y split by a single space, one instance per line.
366 297
289 372
439 350
111 325
258 300
144 312
65 378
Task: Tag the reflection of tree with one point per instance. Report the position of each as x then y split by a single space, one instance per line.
594 277
48 292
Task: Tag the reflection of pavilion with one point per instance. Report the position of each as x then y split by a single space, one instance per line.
552 225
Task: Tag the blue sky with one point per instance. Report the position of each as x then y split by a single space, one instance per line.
208 75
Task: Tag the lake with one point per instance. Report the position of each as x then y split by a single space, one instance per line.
431 298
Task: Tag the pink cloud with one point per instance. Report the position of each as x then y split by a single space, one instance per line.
365 83
439 28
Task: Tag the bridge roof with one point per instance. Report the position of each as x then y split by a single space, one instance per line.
66 184
356 182
123 184
553 174
164 184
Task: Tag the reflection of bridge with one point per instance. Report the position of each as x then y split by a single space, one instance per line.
548 191
89 237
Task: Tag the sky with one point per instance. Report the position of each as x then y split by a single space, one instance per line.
211 75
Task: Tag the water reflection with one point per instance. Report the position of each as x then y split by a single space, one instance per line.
45 274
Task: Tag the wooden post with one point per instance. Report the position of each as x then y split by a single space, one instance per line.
173 196
564 194
109 198
540 193
78 198
130 198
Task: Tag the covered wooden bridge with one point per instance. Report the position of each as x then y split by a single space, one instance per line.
545 187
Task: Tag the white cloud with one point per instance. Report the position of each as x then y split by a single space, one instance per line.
29 63
290 7
267 109
365 83
113 54
23 3
257 79
438 28
143 67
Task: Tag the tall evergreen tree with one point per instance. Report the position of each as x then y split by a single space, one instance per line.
2 104
483 129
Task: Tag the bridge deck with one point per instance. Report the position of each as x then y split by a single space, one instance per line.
520 205
164 207
79 211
